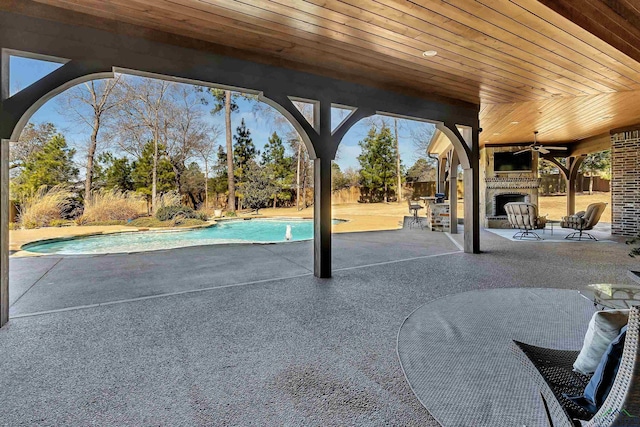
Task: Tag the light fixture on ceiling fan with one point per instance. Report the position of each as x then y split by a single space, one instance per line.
543 149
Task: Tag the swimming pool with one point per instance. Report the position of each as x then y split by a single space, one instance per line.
233 231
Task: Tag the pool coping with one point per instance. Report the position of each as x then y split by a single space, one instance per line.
23 251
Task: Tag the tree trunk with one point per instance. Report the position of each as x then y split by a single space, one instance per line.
193 200
90 155
206 184
399 177
231 205
154 176
298 176
590 185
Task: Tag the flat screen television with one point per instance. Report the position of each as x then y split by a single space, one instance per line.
511 162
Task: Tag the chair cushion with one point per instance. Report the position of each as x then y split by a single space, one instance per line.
600 384
604 327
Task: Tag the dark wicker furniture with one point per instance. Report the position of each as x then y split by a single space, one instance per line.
553 373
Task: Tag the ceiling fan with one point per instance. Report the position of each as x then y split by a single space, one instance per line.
539 148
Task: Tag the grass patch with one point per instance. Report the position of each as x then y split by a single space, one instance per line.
112 222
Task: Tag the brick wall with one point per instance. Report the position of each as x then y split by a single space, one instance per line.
625 183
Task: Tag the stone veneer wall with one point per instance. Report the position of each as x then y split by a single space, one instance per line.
493 183
625 183
438 216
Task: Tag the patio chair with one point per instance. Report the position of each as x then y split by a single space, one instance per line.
524 216
414 207
583 221
552 371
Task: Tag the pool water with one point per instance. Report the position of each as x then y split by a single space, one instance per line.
235 231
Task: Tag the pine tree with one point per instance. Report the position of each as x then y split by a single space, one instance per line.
113 173
259 187
243 152
378 162
243 149
49 166
275 157
142 173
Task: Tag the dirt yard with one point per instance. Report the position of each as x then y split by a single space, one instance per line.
556 206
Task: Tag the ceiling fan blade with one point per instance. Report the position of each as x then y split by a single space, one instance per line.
549 147
543 150
522 151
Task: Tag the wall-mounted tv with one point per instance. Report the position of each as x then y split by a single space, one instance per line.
511 162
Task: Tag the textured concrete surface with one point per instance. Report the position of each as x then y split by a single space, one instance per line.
296 351
457 352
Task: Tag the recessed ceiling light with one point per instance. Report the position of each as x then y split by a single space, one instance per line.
514 123
496 133
606 117
429 53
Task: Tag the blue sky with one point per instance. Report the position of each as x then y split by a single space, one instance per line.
26 71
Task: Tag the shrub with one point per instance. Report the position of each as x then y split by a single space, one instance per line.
113 205
60 223
13 226
168 213
44 206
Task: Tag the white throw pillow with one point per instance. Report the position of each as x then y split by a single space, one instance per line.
604 327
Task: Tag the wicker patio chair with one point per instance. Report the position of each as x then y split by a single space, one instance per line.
552 371
586 221
524 216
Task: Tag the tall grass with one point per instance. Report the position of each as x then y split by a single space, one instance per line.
112 205
44 206
170 198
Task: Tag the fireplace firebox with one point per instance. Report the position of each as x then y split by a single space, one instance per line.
503 199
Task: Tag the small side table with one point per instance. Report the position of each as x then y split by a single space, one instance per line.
551 222
613 296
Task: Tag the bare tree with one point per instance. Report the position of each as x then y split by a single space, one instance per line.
398 171
144 116
90 104
207 149
187 131
31 140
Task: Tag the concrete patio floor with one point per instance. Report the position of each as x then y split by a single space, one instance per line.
245 335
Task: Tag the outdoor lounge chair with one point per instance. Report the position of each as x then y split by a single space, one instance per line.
583 221
524 216
552 371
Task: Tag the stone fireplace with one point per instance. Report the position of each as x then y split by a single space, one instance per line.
499 200
500 187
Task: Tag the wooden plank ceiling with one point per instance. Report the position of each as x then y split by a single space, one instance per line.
528 66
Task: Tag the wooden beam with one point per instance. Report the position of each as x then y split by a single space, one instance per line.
322 217
573 165
591 145
625 129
